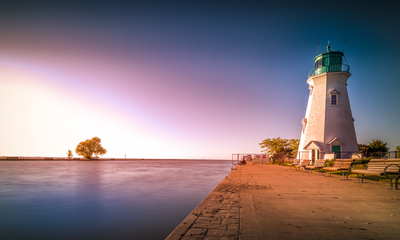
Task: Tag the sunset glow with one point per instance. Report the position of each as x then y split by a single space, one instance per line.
183 80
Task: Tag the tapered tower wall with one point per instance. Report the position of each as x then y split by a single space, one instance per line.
315 128
339 121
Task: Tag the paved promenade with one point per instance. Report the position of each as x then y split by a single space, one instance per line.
276 202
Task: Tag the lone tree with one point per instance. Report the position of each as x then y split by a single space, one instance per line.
69 154
280 145
90 147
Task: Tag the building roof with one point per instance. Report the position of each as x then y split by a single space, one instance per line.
335 141
312 145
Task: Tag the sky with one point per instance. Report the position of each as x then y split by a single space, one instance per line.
186 79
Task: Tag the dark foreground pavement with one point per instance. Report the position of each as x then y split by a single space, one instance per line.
276 202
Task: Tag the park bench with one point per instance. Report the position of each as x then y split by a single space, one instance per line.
294 163
319 164
342 165
303 164
390 168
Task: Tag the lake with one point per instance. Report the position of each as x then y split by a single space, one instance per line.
143 199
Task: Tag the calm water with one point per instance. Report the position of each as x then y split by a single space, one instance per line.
102 199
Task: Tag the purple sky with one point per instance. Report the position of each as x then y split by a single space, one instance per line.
185 79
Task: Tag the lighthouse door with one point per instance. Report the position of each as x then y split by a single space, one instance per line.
312 156
336 150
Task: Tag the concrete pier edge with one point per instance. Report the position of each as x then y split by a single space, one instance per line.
216 216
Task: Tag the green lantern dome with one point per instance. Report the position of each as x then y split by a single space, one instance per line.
329 61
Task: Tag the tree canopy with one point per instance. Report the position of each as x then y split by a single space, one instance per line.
90 147
373 148
363 147
377 146
280 145
69 154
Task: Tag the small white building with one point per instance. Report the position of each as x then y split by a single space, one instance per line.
328 126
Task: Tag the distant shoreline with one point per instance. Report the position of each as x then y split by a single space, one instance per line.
15 158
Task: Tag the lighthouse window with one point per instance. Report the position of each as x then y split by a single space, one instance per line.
336 60
325 61
333 99
318 64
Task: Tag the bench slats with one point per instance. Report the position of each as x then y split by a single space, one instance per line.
295 162
303 164
378 166
342 165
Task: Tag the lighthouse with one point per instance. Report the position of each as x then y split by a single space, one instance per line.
328 126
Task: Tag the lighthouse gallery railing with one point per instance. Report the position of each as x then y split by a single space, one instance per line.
330 68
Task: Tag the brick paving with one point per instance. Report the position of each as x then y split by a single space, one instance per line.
217 217
276 202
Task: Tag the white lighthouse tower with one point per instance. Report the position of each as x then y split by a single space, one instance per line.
328 124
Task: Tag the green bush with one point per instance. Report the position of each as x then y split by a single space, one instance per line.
329 163
362 161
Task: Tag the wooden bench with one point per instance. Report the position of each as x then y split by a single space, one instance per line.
390 168
295 162
342 165
303 164
319 164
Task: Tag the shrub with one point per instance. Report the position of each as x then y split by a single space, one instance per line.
329 163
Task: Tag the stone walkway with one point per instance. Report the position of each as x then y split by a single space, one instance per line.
217 216
275 202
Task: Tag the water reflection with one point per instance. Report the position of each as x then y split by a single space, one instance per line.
101 200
